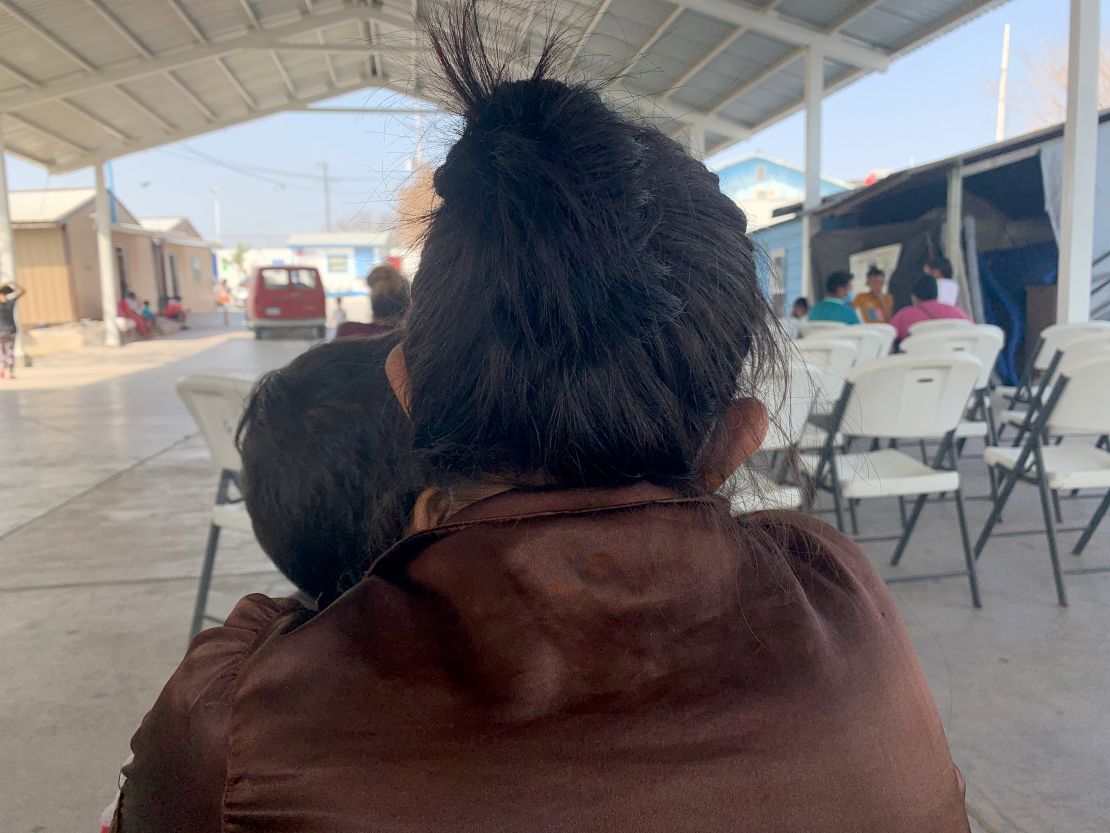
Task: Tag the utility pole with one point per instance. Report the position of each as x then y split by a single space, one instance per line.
216 213
1000 124
327 197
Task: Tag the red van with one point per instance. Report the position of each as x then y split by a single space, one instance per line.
284 298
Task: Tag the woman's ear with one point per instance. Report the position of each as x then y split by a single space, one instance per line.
740 434
398 374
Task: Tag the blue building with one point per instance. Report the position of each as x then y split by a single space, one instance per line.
760 184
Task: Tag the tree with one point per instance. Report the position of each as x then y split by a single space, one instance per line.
1049 74
415 202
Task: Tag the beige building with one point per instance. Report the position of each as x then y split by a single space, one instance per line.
54 236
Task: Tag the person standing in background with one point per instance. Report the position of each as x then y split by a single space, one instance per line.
835 306
9 294
340 313
948 290
875 306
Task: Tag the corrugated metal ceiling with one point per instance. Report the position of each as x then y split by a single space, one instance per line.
82 81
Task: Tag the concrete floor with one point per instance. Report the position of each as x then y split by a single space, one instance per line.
103 515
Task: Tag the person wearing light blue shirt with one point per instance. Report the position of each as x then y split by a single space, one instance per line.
835 305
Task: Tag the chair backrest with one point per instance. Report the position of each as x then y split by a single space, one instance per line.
814 328
1083 404
887 332
984 341
216 404
788 404
1057 336
869 342
934 324
909 396
833 354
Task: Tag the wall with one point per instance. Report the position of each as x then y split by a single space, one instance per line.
787 237
197 288
41 268
80 234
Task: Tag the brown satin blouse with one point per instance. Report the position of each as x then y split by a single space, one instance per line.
622 660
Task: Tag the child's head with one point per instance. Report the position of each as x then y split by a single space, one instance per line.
328 475
338 302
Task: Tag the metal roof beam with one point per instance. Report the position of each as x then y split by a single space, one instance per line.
193 97
182 57
86 158
144 108
328 64
774 24
106 126
589 30
654 107
248 99
187 19
121 28
46 131
284 73
660 30
48 36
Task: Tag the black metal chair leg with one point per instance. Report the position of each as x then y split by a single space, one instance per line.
969 558
1056 507
996 511
205 580
837 499
1049 529
1096 519
902 511
918 505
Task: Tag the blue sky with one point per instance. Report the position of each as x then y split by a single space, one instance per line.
935 102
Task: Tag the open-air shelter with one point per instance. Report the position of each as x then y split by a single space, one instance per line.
83 82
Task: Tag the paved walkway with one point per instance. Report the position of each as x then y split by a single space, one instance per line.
103 515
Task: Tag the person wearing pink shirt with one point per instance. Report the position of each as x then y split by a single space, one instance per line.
925 307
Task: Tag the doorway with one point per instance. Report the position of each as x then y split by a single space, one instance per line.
121 271
160 275
173 277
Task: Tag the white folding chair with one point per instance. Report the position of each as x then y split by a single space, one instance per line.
935 324
869 341
216 404
895 398
1038 370
888 334
819 328
985 342
1079 404
835 357
1068 353
788 404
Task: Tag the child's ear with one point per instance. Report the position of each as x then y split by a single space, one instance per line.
739 435
398 374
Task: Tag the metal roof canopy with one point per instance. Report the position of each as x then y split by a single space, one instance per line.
84 81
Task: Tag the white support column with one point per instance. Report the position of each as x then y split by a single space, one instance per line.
1077 210
109 282
814 92
7 245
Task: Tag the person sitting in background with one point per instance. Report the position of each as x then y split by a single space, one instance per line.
329 479
925 307
9 295
128 308
876 305
389 298
577 634
834 306
148 313
800 308
174 311
948 289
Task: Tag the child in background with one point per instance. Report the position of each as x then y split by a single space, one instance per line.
340 314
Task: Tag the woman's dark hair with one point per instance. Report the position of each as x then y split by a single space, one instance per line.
925 288
940 264
802 302
328 473
837 281
389 292
874 271
587 304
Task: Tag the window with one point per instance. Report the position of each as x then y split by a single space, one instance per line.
760 173
778 281
196 269
338 263
275 278
303 278
121 272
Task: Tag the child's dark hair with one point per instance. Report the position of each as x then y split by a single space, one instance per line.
940 264
328 474
837 281
587 304
925 288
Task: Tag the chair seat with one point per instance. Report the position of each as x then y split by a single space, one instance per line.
886 473
1068 466
970 428
756 493
232 516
